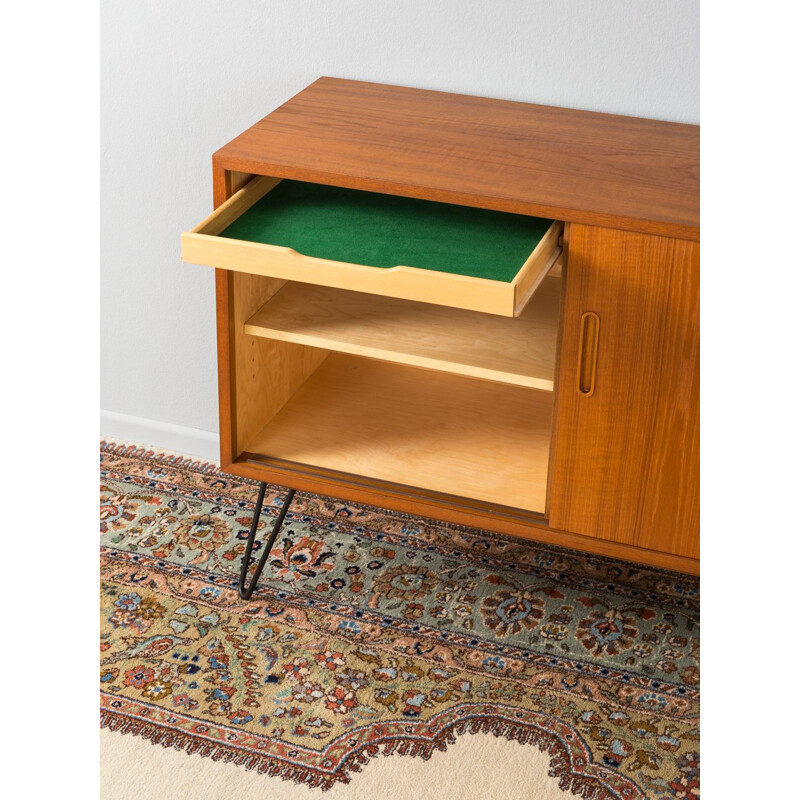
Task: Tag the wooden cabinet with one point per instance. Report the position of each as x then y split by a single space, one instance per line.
474 310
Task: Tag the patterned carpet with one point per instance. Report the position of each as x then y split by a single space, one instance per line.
372 631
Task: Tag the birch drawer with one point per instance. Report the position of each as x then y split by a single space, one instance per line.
399 247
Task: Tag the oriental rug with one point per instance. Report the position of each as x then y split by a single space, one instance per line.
373 632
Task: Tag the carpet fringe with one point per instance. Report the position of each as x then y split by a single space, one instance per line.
585 786
170 457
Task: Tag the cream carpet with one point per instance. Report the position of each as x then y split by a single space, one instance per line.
480 765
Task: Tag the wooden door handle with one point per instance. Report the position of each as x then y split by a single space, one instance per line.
587 353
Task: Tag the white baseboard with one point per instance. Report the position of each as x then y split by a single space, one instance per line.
159 435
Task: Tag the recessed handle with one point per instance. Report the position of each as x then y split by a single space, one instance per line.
587 354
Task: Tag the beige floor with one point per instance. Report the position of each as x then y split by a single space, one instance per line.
480 766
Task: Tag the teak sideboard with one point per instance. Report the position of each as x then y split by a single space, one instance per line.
475 310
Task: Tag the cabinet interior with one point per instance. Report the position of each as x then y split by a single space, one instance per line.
452 401
421 428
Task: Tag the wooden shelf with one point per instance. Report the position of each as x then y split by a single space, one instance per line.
519 351
442 432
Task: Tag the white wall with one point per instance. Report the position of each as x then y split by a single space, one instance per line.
179 79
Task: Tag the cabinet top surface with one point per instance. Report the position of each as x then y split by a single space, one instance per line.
578 166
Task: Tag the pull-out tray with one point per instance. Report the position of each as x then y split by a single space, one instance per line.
400 247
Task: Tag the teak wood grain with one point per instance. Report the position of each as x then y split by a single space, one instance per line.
625 462
600 169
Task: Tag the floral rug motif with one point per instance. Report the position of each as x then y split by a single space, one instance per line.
375 632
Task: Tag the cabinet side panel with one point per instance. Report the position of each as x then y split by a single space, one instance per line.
606 443
266 372
227 432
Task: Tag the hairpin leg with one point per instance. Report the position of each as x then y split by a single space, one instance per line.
244 590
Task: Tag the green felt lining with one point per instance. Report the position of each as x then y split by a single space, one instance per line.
381 230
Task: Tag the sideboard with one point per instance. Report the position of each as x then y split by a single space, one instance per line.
475 310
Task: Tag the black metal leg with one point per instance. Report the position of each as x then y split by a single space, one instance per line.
244 590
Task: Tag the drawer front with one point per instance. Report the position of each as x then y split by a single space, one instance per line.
209 245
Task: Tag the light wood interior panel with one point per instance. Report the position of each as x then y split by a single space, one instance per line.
519 351
265 372
247 196
442 432
538 267
237 180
